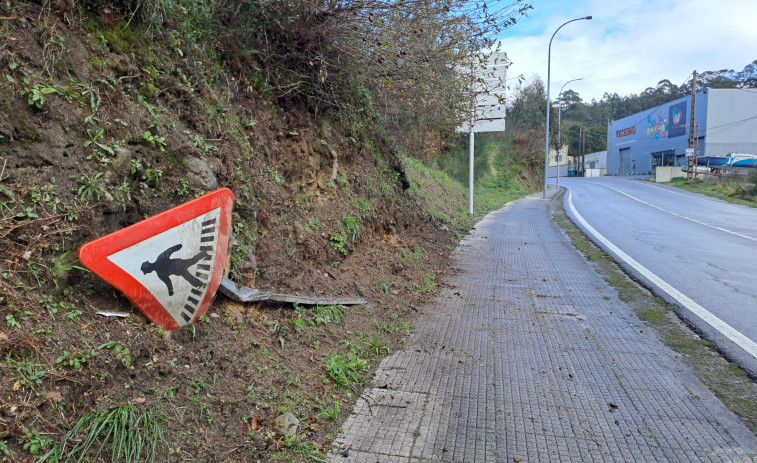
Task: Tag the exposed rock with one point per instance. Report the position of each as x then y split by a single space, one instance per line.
201 172
286 424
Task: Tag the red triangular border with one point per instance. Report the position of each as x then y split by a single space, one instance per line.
94 255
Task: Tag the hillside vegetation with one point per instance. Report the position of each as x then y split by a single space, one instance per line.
325 119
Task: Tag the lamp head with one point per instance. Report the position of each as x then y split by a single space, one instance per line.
588 17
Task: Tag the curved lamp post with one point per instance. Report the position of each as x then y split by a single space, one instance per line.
546 137
559 127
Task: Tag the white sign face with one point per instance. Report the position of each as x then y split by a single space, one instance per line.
488 85
175 266
490 111
485 125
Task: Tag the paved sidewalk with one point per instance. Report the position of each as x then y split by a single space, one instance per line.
530 356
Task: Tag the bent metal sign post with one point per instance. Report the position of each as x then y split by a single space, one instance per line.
170 265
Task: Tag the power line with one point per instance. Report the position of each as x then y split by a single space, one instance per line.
724 126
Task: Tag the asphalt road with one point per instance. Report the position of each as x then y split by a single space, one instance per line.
697 252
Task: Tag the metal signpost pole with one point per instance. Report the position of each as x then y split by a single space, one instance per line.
470 172
487 112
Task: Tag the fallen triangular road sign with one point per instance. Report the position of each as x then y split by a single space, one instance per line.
170 265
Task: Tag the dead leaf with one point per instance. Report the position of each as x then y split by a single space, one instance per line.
139 400
613 405
16 386
254 423
244 429
319 446
381 397
517 458
55 395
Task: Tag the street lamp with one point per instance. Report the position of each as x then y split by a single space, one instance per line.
546 141
559 127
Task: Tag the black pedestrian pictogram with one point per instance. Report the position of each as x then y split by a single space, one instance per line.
164 266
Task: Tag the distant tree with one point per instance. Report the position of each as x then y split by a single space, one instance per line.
527 106
570 98
595 138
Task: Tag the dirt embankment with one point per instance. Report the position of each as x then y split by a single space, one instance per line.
95 136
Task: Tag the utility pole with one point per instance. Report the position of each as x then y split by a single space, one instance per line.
583 152
690 159
578 159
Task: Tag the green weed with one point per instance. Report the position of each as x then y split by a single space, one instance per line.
11 322
4 450
337 241
27 213
183 188
27 373
75 360
94 141
205 148
153 175
331 413
344 369
363 206
394 326
35 95
351 226
155 140
313 224
35 272
376 345
122 353
277 179
325 314
297 323
410 256
383 286
132 436
64 263
33 442
428 284
122 193
90 187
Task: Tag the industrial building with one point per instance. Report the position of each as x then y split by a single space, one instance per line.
725 121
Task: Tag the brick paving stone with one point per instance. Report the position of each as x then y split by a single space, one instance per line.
528 352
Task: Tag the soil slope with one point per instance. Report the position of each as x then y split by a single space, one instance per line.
98 131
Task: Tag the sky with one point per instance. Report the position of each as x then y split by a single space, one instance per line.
630 45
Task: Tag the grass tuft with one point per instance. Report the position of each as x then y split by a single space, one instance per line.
133 436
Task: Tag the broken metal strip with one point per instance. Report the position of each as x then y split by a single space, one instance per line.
244 294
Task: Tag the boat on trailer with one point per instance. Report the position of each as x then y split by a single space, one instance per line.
729 160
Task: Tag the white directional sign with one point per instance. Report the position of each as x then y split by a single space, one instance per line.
489 88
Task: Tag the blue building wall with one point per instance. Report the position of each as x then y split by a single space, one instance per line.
659 136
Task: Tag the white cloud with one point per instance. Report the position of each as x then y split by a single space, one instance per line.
631 45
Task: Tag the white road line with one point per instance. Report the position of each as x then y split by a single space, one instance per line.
719 325
741 235
669 190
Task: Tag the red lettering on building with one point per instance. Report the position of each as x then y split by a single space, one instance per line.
625 132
